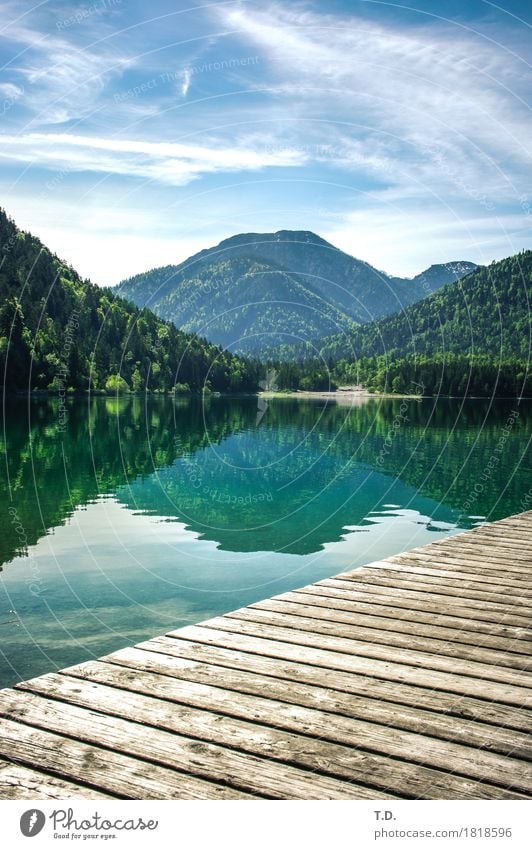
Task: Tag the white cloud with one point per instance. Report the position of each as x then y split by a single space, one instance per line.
405 240
10 91
167 162
107 258
62 79
185 83
103 243
414 93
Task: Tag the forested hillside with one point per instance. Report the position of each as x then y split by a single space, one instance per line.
59 332
250 306
472 337
257 291
488 312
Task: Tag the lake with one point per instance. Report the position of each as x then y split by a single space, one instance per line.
125 518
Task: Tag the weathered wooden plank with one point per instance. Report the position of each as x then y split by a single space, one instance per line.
486 536
338 610
204 719
345 625
409 613
517 521
446 577
484 610
498 526
469 562
247 622
464 594
437 680
157 680
206 760
171 656
487 555
101 768
466 565
452 568
509 540
20 782
515 559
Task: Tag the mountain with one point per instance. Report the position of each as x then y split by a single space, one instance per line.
486 313
255 291
59 332
438 275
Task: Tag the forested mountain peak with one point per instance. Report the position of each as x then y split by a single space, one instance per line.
226 292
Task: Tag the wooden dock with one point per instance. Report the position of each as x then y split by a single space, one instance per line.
407 678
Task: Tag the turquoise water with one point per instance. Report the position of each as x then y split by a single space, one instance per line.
138 517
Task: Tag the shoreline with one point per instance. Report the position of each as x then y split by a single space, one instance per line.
305 394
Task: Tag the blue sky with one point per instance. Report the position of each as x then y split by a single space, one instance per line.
134 134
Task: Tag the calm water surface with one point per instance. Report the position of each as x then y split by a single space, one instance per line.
139 517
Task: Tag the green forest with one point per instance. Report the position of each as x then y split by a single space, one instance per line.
469 338
440 374
60 333
416 374
485 313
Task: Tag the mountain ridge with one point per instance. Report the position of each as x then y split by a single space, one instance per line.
487 312
350 290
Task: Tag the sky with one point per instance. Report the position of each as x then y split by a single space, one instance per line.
134 134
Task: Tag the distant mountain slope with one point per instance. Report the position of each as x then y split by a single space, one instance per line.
58 332
256 290
488 312
249 305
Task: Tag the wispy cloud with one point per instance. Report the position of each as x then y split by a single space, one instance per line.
172 163
10 90
413 91
416 236
63 76
185 82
